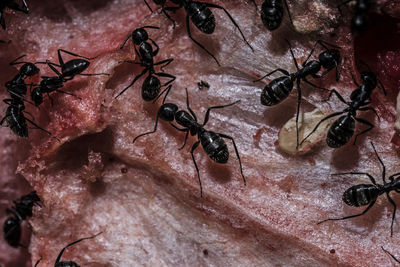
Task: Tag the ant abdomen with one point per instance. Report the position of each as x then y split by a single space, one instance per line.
360 195
12 231
16 121
276 91
214 146
340 132
151 88
74 66
202 17
272 14
167 111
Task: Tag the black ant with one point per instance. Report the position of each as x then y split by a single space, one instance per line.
390 254
21 210
12 5
366 194
272 13
359 22
342 129
59 263
16 119
279 89
202 18
152 85
17 87
212 143
203 84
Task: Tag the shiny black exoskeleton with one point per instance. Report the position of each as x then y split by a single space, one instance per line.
12 4
202 17
72 67
20 211
342 129
212 143
17 87
359 22
366 194
279 89
46 86
151 86
272 13
390 254
16 120
59 263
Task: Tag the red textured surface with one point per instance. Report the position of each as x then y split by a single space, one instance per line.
145 197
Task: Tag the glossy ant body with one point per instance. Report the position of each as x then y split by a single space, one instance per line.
151 86
212 143
279 89
21 210
59 263
12 4
69 70
17 87
202 17
359 23
272 13
343 128
366 194
390 254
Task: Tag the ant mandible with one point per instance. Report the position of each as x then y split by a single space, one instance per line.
59 263
279 89
366 194
342 129
21 210
151 86
14 6
203 19
212 143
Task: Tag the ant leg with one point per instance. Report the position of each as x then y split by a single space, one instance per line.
155 52
130 35
314 85
366 130
40 128
134 80
184 142
288 11
391 177
21 97
237 154
338 72
17 7
381 87
342 4
312 51
394 212
390 254
143 134
357 173
162 74
14 62
130 62
254 3
291 52
233 21
196 42
147 4
383 165
354 79
188 106
73 243
195 145
272 72
36 264
2 21
167 61
372 109
206 117
179 129
93 74
339 96
167 92
71 94
298 112
72 54
351 216
51 65
164 11
321 121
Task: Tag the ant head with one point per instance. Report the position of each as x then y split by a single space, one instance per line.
368 78
167 111
139 35
329 58
37 96
29 69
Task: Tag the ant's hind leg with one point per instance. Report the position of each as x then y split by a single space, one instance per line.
237 154
143 134
206 117
272 72
195 145
390 254
360 120
394 212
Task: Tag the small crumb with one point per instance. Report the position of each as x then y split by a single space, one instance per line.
312 162
205 252
203 84
332 251
124 170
